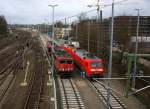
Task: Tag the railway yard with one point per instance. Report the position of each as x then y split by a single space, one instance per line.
75 54
27 82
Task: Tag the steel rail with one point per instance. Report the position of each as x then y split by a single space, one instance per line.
75 94
69 94
64 90
105 99
49 63
100 93
4 73
34 91
14 70
8 65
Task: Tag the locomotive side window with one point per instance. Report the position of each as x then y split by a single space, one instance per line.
66 61
69 62
96 64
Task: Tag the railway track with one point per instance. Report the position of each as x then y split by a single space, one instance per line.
6 72
4 50
7 76
70 96
115 102
6 62
8 52
10 68
8 41
35 86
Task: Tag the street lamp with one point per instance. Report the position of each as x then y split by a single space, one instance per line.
136 48
52 58
53 7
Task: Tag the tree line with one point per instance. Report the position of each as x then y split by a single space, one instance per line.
3 26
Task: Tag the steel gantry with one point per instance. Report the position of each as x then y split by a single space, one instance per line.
130 59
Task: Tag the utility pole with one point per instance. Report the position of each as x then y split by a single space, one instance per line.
65 33
89 30
99 13
136 49
56 23
110 56
45 26
53 7
76 30
38 28
97 5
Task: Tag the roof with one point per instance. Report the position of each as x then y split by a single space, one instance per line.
84 54
61 53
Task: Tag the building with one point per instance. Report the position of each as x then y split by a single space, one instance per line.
62 32
124 31
129 25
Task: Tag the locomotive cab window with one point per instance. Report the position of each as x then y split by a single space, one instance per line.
96 64
62 62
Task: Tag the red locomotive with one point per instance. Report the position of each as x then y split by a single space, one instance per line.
63 62
90 64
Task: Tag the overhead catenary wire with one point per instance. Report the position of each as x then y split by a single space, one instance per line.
77 15
92 10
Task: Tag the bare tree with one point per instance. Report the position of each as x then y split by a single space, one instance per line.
123 36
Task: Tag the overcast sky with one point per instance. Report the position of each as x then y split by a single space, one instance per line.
38 11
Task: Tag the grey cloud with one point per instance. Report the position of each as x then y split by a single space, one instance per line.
35 11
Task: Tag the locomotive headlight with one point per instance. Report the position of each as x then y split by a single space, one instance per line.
100 70
93 70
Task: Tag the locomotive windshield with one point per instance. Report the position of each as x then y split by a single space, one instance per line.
96 64
62 62
66 62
